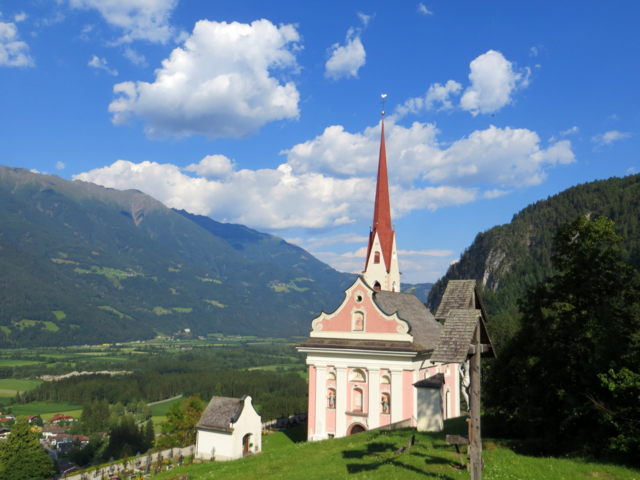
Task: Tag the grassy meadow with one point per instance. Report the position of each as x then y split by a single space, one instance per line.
372 455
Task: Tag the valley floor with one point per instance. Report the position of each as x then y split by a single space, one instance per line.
371 455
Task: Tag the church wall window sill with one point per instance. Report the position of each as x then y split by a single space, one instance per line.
358 414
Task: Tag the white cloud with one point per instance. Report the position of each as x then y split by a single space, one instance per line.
609 137
346 60
60 166
101 64
20 17
416 266
631 170
341 239
424 10
219 84
135 57
137 19
493 81
570 131
613 117
495 193
533 52
13 52
436 94
212 166
501 157
33 170
365 18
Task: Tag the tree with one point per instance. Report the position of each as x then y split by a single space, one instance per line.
180 427
22 457
570 375
149 435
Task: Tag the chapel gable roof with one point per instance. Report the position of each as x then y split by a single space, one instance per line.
424 327
220 413
458 295
453 346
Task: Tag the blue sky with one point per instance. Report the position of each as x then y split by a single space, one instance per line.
268 113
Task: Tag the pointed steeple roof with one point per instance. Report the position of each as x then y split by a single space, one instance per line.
382 209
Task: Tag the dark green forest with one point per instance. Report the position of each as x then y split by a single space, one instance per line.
508 259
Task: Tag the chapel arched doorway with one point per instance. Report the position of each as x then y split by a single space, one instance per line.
356 428
246 440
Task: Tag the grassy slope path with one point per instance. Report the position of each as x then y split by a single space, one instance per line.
371 455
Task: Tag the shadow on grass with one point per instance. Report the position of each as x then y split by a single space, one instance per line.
354 468
297 434
371 449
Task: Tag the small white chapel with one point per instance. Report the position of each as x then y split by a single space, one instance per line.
365 357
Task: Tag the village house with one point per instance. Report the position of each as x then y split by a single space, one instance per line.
229 428
49 431
365 357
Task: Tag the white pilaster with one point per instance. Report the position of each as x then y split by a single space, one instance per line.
341 401
396 396
374 398
321 401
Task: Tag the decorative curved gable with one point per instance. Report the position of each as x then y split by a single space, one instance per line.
359 317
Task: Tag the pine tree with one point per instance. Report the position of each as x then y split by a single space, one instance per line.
22 457
149 435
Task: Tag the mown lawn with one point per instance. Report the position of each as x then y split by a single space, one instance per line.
160 409
10 386
372 455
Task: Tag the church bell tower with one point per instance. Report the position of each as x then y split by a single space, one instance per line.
381 269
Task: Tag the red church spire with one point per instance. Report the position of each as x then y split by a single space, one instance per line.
382 209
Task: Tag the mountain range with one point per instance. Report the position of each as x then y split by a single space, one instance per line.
507 259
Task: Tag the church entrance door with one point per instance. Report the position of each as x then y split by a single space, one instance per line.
356 428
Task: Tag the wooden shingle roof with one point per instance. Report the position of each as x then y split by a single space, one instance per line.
220 414
456 336
458 295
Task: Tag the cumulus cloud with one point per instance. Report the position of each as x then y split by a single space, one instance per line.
416 266
346 60
20 17
219 84
101 64
13 52
424 10
60 166
135 57
436 94
503 157
271 199
609 137
212 166
570 131
340 239
136 19
493 80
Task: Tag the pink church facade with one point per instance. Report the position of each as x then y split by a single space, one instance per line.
364 359
366 356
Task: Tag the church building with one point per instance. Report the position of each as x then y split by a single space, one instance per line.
366 356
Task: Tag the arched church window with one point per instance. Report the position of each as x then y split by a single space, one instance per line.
331 398
358 322
358 400
376 257
385 403
377 286
357 375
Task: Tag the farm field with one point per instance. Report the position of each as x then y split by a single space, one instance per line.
47 410
16 363
372 455
10 386
162 408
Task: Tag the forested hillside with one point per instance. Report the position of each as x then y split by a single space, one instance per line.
80 263
507 259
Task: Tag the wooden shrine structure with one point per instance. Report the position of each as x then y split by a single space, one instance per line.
465 338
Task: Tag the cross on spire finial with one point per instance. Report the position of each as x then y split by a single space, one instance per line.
384 100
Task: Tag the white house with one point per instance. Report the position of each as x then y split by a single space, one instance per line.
229 428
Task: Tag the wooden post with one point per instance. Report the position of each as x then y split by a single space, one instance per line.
475 446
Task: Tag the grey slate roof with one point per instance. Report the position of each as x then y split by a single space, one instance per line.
434 381
219 414
456 336
458 294
424 327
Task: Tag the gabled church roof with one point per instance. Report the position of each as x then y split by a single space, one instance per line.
382 210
